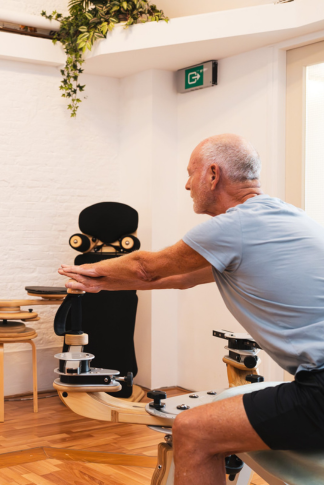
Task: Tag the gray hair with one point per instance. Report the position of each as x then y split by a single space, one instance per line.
238 161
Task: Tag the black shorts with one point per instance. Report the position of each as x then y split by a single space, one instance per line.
289 416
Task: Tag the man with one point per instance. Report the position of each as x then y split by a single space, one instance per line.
267 259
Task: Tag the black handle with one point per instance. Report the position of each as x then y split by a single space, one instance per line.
250 361
129 379
254 378
70 303
157 396
233 466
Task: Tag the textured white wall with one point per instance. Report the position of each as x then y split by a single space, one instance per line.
35 7
52 166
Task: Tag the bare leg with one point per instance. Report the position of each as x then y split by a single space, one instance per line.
203 436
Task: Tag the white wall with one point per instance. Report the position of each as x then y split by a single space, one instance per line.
245 102
148 146
174 340
52 167
35 7
131 142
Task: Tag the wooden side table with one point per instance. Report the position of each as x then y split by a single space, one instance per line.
24 336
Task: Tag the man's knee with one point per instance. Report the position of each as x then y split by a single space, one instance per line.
189 432
182 427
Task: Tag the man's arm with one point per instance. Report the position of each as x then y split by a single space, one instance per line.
185 281
141 270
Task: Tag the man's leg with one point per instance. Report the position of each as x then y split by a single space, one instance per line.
203 436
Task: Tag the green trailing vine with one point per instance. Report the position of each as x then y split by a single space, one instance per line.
87 22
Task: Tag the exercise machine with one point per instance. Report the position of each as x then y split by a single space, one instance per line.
242 361
108 230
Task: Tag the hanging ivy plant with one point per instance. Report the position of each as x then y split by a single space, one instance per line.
89 21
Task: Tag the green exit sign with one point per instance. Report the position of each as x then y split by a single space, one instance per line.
194 77
203 75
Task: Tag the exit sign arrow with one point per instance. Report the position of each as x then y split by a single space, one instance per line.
203 75
194 77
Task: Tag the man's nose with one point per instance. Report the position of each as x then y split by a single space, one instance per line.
187 186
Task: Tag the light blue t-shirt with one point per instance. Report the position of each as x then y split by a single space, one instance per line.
268 263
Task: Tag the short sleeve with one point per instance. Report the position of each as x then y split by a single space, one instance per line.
218 240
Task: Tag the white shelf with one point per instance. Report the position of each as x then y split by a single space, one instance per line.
14 47
182 42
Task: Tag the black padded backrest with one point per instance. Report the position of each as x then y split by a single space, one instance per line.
108 221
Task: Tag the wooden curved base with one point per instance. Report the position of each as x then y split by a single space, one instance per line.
101 406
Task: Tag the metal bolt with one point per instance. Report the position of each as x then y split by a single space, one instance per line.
183 407
127 243
75 241
194 395
159 467
106 379
212 393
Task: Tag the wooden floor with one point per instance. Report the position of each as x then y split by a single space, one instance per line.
56 446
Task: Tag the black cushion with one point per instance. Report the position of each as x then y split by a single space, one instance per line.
108 221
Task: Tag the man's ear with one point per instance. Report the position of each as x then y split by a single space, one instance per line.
215 175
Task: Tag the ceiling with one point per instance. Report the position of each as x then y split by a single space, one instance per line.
183 8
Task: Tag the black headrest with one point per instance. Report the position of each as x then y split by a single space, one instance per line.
108 221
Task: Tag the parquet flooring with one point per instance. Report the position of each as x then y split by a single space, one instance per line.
49 441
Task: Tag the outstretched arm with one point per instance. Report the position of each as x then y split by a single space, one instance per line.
179 266
184 281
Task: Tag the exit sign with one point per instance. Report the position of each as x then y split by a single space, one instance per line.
201 76
194 77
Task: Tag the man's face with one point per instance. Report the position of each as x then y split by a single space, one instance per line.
197 183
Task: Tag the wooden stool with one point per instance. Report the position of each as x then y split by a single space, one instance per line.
24 335
13 331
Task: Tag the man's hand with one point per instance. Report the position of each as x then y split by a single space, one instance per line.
141 270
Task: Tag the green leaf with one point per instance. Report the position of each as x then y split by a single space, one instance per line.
89 16
82 37
124 4
83 28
